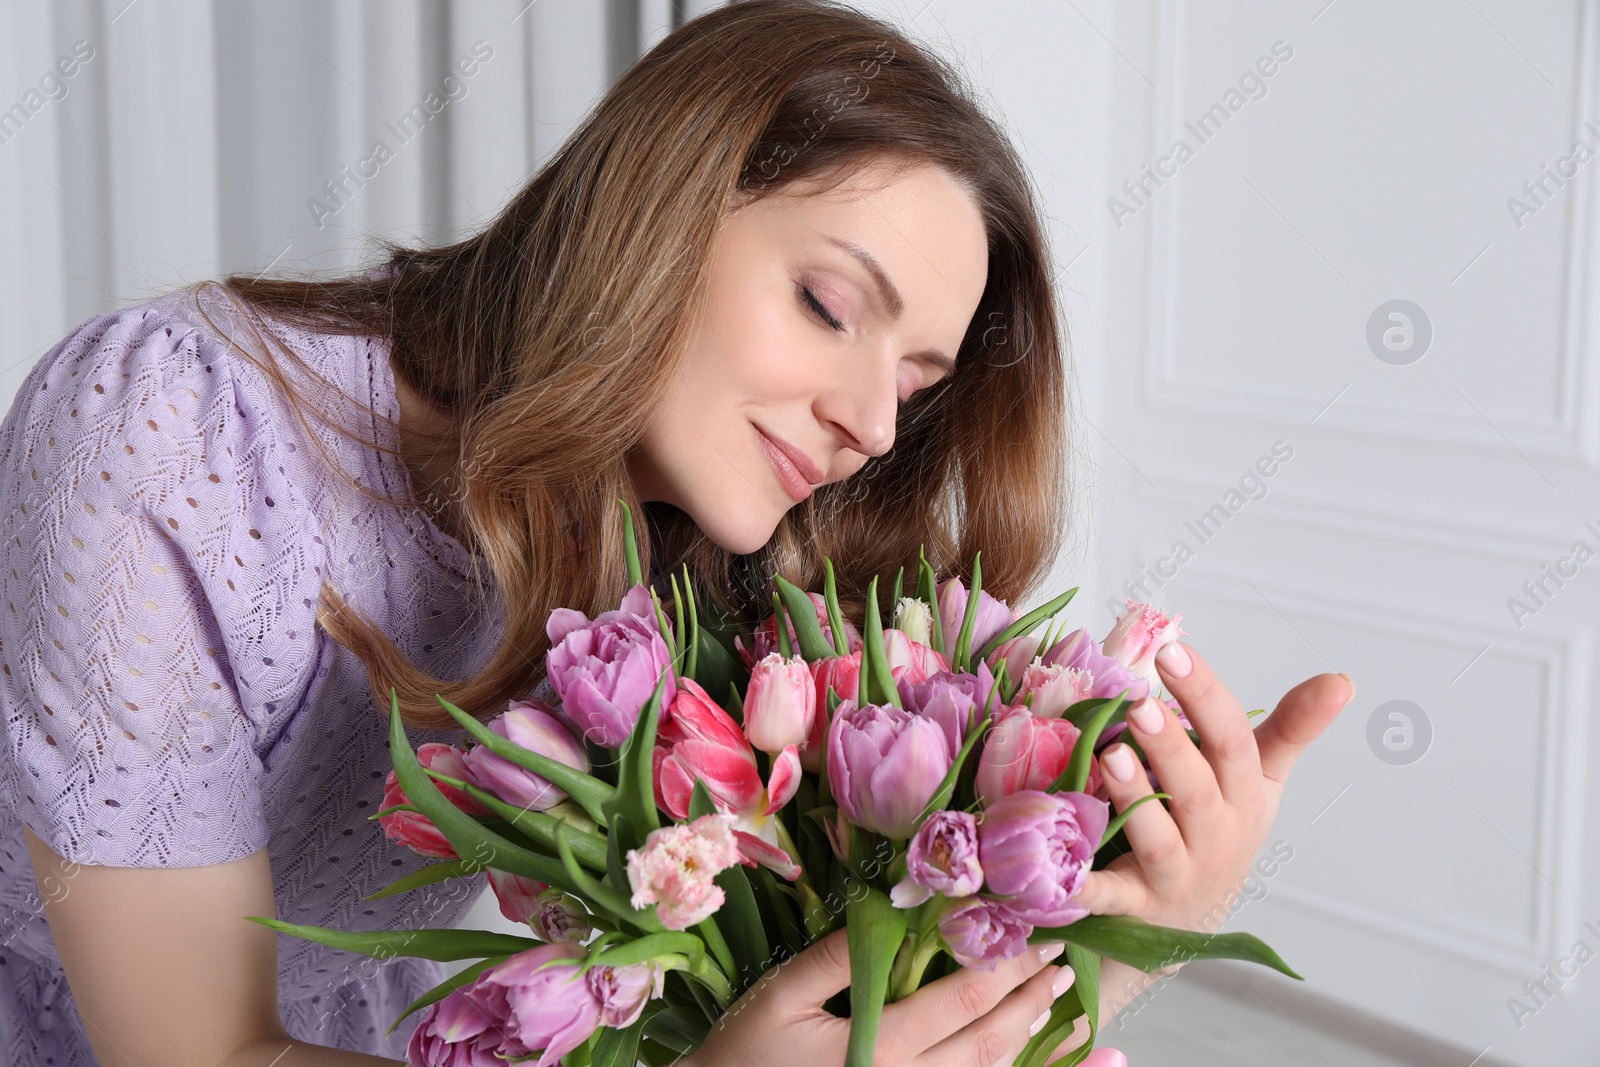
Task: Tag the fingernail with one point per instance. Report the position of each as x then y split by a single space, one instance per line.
1118 762
1038 1024
1063 981
1352 682
1051 949
1174 659
1148 716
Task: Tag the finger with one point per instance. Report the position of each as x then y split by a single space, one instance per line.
1157 844
1224 728
801 983
943 1007
999 1035
1180 768
1299 719
1120 889
1105 1057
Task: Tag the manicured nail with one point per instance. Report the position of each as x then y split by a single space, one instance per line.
1050 950
1118 762
1148 716
1062 982
1343 675
1038 1024
1174 659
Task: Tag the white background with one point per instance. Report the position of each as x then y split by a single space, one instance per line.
1225 312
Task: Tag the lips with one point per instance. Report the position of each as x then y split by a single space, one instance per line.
794 468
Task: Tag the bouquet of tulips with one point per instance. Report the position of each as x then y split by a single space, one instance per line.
697 808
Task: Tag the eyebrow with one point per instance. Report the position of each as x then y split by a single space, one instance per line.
893 302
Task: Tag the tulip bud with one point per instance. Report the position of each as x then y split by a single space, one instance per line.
780 704
912 618
1138 636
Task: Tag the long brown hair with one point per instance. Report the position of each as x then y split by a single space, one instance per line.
547 336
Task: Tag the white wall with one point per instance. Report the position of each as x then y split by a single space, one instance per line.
1224 312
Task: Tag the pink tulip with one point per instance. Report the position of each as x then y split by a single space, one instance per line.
412 828
1036 849
1023 751
841 675
942 858
677 866
780 704
1079 650
884 763
945 698
1017 653
905 657
533 725
604 670
992 615
1054 688
981 932
697 739
552 914
1138 635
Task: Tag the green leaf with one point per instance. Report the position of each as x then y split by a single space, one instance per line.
679 665
781 630
446 987
947 788
928 590
803 616
470 839
1122 817
668 634
618 1048
677 1028
895 590
587 791
602 896
540 828
1040 1047
740 920
630 547
700 802
969 617
1076 773
433 872
876 678
641 949
875 928
1137 943
443 945
635 796
830 597
692 666
1027 623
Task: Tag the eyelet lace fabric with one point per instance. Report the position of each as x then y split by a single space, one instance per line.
167 699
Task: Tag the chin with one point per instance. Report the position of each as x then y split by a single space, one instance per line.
739 527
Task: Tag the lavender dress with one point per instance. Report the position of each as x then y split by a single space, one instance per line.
167 699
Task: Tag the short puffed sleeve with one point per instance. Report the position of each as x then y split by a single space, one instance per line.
126 742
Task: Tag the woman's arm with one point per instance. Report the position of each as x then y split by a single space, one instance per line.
165 969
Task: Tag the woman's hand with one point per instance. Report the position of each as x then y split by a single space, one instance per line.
966 1018
1189 863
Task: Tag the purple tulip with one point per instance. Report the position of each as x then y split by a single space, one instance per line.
622 991
884 764
992 615
980 932
946 699
1080 651
605 670
457 1032
942 858
1036 849
534 726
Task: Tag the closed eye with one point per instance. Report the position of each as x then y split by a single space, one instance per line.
815 305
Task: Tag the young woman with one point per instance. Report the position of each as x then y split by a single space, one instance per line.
785 290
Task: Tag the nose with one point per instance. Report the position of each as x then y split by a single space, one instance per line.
861 402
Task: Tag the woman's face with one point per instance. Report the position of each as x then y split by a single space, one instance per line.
768 372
